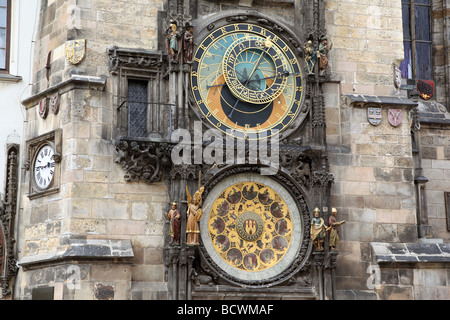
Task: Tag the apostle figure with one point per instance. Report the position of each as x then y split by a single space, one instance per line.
194 214
188 44
333 225
174 217
318 230
324 48
173 37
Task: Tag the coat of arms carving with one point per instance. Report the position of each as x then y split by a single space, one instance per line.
374 115
43 108
54 103
75 50
425 88
395 117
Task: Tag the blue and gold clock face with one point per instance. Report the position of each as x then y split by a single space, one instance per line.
247 81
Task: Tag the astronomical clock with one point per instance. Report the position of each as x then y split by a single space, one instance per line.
253 229
248 80
249 77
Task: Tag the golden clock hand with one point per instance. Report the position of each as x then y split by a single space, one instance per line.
223 84
253 88
283 74
267 44
251 74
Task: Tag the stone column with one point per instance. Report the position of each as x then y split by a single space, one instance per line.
318 262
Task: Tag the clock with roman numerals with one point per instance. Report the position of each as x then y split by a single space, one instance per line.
44 163
247 81
44 167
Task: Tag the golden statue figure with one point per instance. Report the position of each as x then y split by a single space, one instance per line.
194 214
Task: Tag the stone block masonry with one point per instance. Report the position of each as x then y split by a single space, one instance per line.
368 39
374 184
95 204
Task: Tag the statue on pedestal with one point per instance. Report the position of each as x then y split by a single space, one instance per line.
318 230
333 226
310 57
194 214
174 217
322 54
188 44
173 39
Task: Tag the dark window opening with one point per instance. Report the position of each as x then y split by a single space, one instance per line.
45 293
417 63
137 108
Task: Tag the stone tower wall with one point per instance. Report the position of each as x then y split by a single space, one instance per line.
95 205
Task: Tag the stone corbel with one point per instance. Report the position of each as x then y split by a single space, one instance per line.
142 160
322 177
133 58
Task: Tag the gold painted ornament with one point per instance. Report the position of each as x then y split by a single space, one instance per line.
250 226
75 50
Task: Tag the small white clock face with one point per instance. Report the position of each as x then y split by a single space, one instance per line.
44 167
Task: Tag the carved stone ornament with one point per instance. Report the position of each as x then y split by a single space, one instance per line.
75 50
8 262
374 115
43 108
397 77
395 117
132 58
142 160
322 177
54 103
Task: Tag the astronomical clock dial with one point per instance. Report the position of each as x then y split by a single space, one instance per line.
247 81
44 167
252 229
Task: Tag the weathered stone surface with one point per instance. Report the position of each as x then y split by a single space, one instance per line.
104 291
411 252
78 248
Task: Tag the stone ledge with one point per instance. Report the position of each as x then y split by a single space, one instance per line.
411 253
230 292
9 77
361 100
356 295
83 249
431 112
75 81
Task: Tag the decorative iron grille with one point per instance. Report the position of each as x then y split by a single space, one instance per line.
137 108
